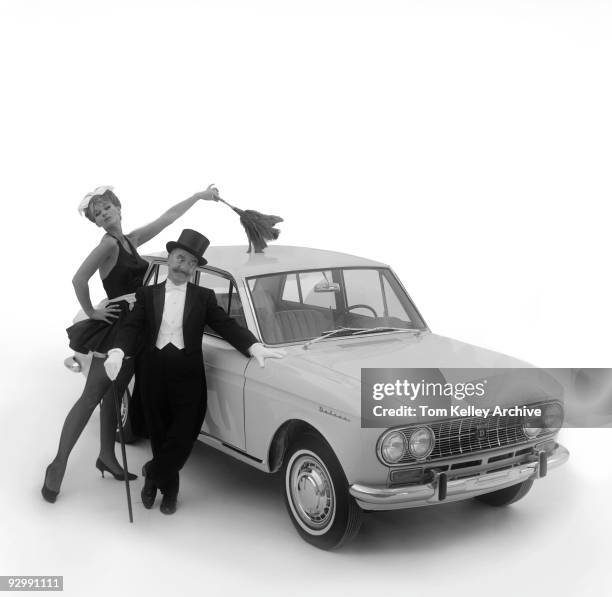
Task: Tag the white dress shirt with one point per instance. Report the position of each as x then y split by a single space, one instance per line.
171 328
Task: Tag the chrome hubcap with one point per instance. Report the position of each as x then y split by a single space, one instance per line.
125 403
311 492
124 409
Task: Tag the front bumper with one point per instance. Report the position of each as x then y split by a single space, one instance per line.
451 490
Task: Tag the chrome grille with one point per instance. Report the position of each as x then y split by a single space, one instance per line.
467 435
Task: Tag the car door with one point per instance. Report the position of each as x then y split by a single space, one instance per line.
225 367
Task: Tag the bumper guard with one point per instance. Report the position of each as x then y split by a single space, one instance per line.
445 489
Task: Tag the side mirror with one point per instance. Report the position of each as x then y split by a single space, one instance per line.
327 287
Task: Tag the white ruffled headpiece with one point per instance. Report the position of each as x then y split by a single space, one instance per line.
87 199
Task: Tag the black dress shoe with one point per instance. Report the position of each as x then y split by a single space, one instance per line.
149 491
168 505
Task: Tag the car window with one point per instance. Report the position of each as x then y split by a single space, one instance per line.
291 290
150 275
297 306
362 287
302 288
226 293
309 281
159 272
394 307
162 273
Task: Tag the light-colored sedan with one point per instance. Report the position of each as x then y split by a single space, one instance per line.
337 315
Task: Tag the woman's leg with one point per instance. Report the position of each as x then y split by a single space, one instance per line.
96 385
108 417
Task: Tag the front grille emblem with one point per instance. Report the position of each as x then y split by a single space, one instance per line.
481 431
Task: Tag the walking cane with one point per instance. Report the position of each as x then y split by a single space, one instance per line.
122 440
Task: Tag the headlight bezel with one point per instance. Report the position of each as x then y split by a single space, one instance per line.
561 415
531 433
406 433
544 430
381 446
432 444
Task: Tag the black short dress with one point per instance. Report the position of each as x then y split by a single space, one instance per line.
93 335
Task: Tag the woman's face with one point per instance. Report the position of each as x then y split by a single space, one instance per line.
105 213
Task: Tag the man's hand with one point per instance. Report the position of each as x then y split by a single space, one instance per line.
113 362
261 353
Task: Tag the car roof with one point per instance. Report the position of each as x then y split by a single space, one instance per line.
276 258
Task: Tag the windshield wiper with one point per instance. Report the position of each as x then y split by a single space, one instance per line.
331 334
356 332
385 329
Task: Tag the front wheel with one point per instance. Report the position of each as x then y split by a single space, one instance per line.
316 494
506 496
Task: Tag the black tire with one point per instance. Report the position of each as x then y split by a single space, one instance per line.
129 436
313 477
506 496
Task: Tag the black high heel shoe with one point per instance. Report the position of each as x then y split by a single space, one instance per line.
119 477
47 493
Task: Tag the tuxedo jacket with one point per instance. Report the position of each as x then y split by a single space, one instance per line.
141 325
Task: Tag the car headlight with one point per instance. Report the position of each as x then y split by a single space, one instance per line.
393 447
552 417
421 442
531 428
549 421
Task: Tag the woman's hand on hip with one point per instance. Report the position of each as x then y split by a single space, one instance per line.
106 313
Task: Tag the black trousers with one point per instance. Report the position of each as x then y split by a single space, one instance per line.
174 405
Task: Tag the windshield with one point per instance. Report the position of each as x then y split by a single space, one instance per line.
300 306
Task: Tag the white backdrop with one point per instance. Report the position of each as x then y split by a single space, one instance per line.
468 147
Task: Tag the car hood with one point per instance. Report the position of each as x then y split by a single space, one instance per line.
431 358
349 356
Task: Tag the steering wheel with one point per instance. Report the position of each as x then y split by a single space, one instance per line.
360 306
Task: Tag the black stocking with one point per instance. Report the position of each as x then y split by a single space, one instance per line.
108 417
97 387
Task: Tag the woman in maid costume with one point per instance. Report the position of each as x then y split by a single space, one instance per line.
122 271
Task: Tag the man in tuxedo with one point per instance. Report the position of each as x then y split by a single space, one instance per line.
169 319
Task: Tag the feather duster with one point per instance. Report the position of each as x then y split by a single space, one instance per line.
258 227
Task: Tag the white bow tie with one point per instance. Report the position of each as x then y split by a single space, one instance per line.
170 287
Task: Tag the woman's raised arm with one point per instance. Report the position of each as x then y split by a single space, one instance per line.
139 236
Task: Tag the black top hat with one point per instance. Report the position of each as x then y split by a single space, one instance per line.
193 242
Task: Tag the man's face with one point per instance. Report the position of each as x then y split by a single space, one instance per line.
181 265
